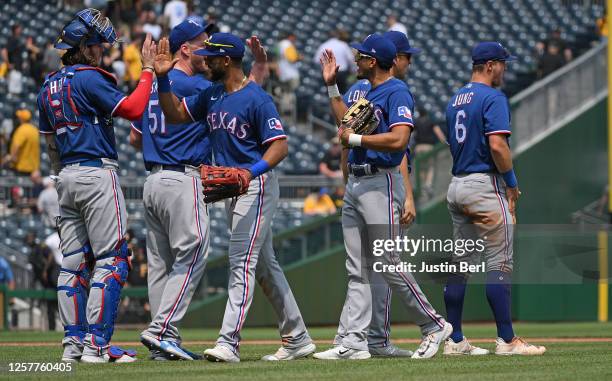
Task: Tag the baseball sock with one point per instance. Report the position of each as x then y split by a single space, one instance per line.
454 293
499 284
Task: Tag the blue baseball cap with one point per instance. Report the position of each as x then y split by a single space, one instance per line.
377 46
223 45
186 31
490 51
401 42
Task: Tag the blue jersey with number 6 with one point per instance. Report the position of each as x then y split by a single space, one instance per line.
473 113
174 144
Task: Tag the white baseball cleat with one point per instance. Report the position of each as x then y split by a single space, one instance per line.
463 348
70 359
389 351
517 346
221 353
285 354
114 354
431 343
341 353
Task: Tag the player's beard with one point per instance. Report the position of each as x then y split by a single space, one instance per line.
216 74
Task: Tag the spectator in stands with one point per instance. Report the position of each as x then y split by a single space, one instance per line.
395 25
24 155
51 58
338 43
319 204
330 165
212 18
426 135
6 274
53 261
550 61
12 54
555 39
150 24
288 74
35 63
131 58
602 26
175 11
48 203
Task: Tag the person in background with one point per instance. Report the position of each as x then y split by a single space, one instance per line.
338 43
131 57
52 60
427 134
395 25
330 165
319 204
24 153
551 61
6 274
175 11
288 74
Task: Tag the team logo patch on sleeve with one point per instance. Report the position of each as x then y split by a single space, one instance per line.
404 111
275 124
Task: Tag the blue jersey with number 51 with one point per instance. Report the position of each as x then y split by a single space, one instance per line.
473 113
174 144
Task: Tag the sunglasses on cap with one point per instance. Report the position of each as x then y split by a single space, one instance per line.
216 45
359 56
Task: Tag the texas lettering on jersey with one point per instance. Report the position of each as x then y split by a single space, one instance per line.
231 125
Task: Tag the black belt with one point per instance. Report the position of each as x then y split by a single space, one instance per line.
175 168
359 170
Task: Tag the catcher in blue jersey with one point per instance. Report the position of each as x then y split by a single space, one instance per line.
77 105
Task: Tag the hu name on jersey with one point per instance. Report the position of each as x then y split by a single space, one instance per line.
217 120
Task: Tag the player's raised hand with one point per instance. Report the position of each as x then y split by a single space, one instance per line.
329 68
149 51
163 60
257 49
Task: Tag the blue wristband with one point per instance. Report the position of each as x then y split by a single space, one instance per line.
259 168
163 84
510 178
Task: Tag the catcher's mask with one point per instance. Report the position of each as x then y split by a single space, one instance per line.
90 26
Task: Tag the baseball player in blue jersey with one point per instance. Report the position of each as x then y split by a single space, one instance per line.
177 232
77 105
379 343
175 213
482 196
245 132
375 195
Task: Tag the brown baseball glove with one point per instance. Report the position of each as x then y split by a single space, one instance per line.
360 118
223 182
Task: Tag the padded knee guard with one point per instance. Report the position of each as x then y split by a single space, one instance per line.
117 262
78 263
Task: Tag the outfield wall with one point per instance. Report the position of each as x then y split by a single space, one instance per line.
558 176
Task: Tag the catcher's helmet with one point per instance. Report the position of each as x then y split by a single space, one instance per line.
88 24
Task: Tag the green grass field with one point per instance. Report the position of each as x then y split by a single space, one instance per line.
584 355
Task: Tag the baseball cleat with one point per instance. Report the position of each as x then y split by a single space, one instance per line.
285 354
389 351
341 353
517 346
150 342
174 349
463 348
114 354
158 355
431 343
221 353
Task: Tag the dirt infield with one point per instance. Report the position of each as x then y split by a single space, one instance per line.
273 342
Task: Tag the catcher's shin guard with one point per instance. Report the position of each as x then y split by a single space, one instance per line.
109 276
72 290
